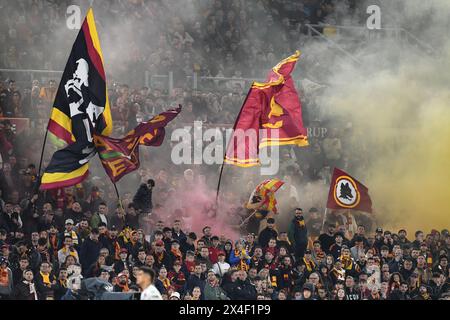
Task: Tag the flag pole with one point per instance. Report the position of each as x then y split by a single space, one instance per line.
118 196
226 148
324 219
218 183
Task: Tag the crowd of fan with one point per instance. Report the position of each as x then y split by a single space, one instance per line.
212 38
46 239
46 245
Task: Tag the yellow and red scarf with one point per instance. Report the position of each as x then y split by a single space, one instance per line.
243 262
310 265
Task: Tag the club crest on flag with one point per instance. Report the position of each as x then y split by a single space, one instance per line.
346 192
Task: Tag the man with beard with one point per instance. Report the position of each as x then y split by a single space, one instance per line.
327 239
110 241
268 233
298 233
401 293
257 260
285 275
75 213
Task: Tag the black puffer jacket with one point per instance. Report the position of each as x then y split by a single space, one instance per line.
143 198
242 290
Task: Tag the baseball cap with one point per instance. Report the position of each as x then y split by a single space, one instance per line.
159 243
221 253
308 251
69 221
175 295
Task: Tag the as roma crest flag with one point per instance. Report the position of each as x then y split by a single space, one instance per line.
81 109
121 156
348 193
270 116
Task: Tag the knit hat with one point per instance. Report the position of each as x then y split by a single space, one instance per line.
3 260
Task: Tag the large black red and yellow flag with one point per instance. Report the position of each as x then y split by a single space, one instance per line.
121 156
80 110
270 116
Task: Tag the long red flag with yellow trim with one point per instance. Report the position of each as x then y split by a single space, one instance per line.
270 116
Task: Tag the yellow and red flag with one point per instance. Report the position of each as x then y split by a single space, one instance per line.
81 109
270 116
266 191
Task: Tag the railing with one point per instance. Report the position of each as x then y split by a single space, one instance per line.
195 81
29 75
358 32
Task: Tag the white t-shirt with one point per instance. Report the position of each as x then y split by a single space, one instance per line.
151 293
220 268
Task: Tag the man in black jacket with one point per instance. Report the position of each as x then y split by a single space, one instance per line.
143 197
401 293
195 280
268 233
298 233
90 250
242 288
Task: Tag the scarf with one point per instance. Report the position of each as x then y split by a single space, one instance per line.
376 296
159 256
124 287
73 235
340 274
63 283
310 266
301 223
32 288
4 277
116 250
242 263
177 253
165 282
71 253
347 262
45 278
54 243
